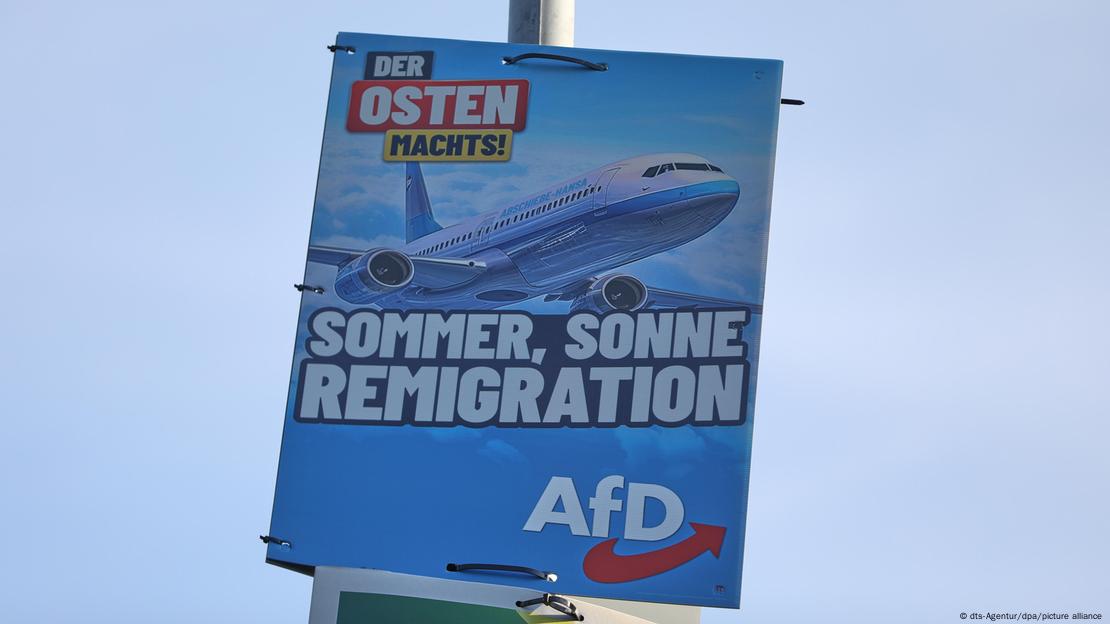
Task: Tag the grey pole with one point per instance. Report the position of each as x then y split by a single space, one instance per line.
547 22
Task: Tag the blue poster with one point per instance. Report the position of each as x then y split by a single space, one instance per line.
530 318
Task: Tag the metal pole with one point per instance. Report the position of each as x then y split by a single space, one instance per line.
547 22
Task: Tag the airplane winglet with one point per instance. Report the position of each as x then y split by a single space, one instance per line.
419 220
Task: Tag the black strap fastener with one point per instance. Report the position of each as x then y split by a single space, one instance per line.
512 60
498 567
270 539
558 603
303 287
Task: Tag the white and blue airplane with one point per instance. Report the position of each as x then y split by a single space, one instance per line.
562 243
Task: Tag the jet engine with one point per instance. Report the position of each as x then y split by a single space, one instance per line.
616 292
373 274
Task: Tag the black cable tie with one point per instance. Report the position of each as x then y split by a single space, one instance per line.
303 287
556 602
540 574
510 60
791 102
347 49
562 604
270 539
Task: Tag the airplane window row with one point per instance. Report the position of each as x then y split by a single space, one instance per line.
513 219
445 244
544 208
664 168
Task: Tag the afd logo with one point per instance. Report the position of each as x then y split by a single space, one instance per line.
560 504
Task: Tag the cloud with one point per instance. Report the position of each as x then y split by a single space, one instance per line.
725 267
502 452
732 122
361 244
449 435
649 444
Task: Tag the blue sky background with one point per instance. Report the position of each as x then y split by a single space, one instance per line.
932 412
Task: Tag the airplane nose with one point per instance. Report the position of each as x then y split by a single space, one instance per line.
711 201
727 186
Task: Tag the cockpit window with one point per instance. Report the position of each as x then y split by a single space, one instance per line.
664 168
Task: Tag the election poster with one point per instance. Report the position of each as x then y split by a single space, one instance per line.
530 318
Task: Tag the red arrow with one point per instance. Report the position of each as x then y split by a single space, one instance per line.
605 566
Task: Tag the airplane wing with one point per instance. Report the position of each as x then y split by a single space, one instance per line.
616 292
444 272
658 298
331 255
428 272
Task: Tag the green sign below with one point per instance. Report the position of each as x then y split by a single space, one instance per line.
360 608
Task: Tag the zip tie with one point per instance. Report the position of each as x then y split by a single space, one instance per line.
347 49
498 567
510 60
270 539
556 602
791 102
303 287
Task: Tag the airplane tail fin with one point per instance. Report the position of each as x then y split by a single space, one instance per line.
419 220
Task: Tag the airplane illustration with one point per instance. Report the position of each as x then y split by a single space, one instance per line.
562 243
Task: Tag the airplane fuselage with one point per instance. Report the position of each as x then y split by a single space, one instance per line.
575 230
